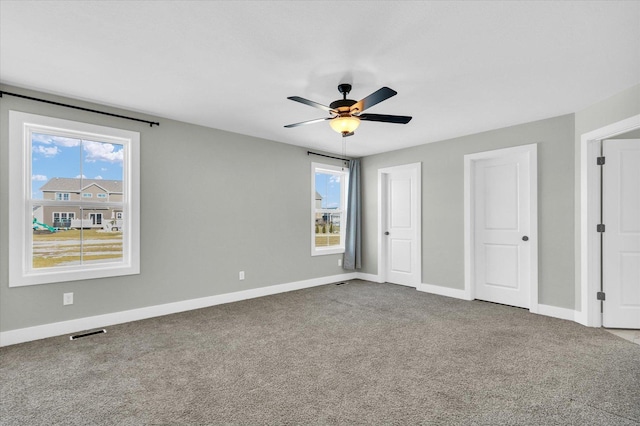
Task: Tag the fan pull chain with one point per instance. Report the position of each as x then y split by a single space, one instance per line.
344 151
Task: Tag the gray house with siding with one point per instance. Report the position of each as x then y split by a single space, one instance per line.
74 190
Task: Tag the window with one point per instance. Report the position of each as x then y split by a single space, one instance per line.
102 195
63 219
56 226
63 215
118 215
328 219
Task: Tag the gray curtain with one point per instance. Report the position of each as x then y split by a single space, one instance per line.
352 258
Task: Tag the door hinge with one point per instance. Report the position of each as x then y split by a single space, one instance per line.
600 227
600 295
600 161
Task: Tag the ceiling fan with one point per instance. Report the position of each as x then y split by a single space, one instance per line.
346 114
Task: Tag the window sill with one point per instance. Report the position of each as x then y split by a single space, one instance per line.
49 276
322 252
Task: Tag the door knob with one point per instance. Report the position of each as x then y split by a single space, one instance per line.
386 233
525 238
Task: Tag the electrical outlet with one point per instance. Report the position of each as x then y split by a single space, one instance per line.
339 262
67 299
241 275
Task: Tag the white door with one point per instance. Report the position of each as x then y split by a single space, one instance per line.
502 246
96 218
621 239
400 201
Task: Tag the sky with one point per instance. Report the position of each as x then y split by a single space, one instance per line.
56 156
328 185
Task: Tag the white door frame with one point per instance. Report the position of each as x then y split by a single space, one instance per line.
590 142
469 214
416 168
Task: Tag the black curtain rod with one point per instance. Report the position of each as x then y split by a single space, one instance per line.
151 123
328 156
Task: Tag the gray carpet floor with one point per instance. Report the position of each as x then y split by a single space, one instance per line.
358 353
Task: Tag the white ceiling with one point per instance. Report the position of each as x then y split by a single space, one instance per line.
458 67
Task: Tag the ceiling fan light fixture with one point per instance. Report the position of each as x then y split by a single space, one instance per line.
345 123
346 114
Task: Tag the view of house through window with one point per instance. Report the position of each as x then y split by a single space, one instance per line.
329 219
77 201
74 200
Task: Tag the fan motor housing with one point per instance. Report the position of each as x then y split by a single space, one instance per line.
342 103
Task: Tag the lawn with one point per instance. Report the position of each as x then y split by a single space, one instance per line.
325 240
68 247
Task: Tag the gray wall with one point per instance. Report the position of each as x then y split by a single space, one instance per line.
443 203
611 110
241 203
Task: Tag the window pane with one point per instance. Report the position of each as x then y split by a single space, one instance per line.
76 170
102 172
55 164
327 229
327 190
327 226
54 242
68 169
76 236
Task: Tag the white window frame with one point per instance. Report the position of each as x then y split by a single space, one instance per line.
21 272
101 195
119 215
63 196
87 195
327 168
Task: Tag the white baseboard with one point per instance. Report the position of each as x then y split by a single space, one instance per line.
547 310
556 312
443 291
369 277
581 318
28 334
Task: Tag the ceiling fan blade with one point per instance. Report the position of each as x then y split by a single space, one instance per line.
312 103
317 120
374 98
399 119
